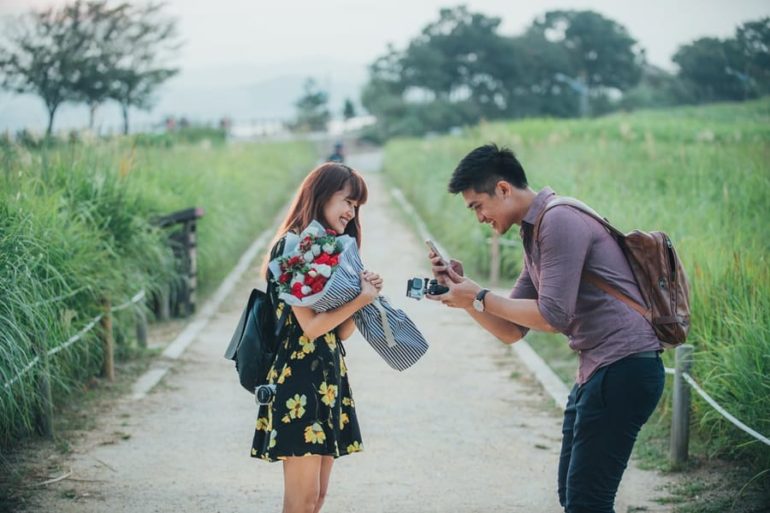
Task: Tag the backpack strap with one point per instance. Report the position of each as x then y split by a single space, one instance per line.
592 278
276 251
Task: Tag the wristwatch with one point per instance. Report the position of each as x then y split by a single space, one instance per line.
478 303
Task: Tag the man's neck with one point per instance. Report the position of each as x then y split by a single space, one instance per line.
525 199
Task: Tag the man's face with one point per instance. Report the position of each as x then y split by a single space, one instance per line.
499 210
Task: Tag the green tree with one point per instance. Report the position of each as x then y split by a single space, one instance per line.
43 55
100 26
348 110
712 69
753 42
312 108
602 54
145 43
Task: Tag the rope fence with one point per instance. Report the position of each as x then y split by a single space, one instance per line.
139 296
683 353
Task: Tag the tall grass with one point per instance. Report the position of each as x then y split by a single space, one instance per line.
75 227
700 174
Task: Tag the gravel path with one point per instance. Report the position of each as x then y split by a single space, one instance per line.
465 430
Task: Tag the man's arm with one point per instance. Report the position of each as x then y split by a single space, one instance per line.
565 239
506 331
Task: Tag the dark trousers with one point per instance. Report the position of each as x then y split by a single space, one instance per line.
601 422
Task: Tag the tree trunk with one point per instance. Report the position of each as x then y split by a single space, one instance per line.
92 115
124 107
51 113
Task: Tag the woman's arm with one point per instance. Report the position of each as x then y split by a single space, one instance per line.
315 324
346 329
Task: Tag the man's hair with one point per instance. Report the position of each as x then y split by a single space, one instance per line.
482 168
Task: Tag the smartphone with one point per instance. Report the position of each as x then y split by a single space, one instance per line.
432 247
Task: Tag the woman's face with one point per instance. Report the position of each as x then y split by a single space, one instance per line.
340 210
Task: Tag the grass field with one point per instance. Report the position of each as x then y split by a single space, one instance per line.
75 228
700 174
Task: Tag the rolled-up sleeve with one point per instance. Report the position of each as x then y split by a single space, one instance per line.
524 289
565 239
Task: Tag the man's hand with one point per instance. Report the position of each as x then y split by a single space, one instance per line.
440 268
462 290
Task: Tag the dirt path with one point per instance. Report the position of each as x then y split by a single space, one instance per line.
456 433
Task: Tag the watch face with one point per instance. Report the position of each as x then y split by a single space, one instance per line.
478 305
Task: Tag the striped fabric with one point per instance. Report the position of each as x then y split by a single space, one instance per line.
406 345
389 331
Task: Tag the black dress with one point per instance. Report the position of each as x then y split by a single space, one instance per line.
313 411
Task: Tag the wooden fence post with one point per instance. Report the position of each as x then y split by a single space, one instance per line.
680 416
107 341
494 259
44 419
141 327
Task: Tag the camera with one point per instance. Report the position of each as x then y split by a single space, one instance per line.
265 394
416 288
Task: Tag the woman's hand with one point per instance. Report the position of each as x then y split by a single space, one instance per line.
368 290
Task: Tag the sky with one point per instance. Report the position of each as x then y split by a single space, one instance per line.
233 43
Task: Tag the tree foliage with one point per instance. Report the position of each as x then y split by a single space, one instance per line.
90 52
460 70
312 108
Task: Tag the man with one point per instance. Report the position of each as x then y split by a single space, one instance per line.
620 376
337 155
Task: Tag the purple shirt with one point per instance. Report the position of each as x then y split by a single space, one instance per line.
600 328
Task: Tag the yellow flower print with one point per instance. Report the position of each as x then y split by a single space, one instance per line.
328 394
344 419
263 424
253 452
285 373
272 375
308 346
296 406
274 439
279 310
314 434
347 401
355 447
297 355
331 340
343 367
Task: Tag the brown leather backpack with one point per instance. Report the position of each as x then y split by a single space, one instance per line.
658 272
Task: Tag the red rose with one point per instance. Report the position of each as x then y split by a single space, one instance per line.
334 260
284 278
296 290
323 258
317 286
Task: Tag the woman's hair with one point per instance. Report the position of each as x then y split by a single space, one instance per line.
316 190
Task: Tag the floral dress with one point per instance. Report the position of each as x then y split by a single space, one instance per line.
313 411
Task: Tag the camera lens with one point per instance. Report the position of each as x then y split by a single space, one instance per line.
265 394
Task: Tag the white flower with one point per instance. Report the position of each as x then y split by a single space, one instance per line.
298 278
324 270
316 249
312 272
308 256
306 290
310 230
329 248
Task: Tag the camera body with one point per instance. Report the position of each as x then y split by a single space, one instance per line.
416 288
264 394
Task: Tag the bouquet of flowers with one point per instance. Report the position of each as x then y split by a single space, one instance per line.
306 271
322 271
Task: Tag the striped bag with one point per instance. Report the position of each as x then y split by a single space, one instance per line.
389 331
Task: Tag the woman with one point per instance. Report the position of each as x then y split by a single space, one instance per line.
312 419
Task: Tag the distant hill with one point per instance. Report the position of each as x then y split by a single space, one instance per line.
242 92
